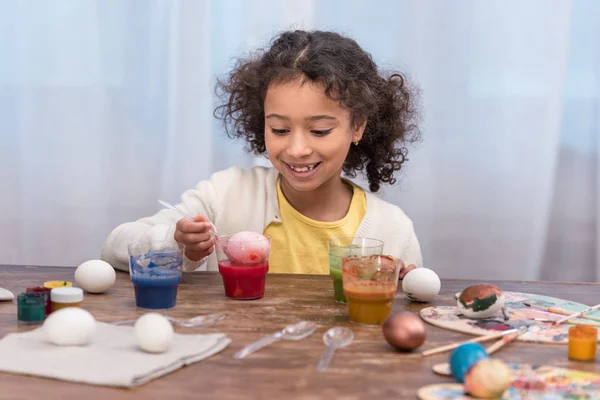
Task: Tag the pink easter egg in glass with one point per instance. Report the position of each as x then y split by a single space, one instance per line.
247 248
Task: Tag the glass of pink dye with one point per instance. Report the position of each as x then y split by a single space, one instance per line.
243 265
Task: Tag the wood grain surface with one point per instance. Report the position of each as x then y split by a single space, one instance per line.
368 368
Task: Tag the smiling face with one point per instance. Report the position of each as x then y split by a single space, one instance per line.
307 135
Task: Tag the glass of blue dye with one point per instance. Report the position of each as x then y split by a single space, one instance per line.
155 271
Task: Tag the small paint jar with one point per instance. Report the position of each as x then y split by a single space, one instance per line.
55 284
583 343
46 293
31 308
62 297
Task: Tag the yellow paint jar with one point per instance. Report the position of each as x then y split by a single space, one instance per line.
55 284
583 342
62 297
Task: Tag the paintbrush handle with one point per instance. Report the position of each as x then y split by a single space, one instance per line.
563 312
500 343
577 314
452 346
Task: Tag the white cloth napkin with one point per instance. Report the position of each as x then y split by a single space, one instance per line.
112 358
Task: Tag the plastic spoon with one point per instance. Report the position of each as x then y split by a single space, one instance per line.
188 217
334 338
292 332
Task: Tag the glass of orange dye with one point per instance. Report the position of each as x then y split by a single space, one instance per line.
370 284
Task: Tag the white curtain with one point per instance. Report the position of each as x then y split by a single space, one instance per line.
106 106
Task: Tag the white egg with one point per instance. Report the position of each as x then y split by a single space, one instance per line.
70 326
421 284
154 332
95 276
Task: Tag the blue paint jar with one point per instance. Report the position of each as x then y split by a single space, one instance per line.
464 357
156 275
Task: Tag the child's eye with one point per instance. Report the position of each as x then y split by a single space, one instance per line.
279 131
321 133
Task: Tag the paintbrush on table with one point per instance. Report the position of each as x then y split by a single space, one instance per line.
452 346
559 311
577 314
570 322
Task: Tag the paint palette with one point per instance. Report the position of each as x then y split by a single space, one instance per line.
520 315
529 382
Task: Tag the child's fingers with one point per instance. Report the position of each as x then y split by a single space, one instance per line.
199 255
187 226
200 247
200 218
406 270
196 237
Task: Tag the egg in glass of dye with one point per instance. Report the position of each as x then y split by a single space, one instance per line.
247 248
243 260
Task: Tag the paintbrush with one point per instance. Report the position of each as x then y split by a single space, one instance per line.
485 338
570 322
577 314
498 344
560 311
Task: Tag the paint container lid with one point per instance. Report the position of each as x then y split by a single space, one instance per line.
66 295
31 299
55 284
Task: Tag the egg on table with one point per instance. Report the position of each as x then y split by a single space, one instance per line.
70 326
464 357
6 295
421 284
404 331
481 301
247 248
488 378
154 332
95 276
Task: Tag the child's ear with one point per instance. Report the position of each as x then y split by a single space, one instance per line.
358 131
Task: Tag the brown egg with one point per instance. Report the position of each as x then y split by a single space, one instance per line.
404 331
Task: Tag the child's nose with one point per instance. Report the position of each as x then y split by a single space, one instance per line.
299 146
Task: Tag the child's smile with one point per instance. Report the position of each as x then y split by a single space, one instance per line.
303 171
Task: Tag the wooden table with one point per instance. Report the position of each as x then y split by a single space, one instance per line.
369 368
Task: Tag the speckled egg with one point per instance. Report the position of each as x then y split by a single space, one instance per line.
247 248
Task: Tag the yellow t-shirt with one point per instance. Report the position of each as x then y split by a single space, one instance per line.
299 244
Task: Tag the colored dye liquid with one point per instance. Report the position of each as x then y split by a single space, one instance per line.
369 302
31 308
243 282
155 279
155 293
46 293
338 285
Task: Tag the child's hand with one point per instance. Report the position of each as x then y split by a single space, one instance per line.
195 236
406 270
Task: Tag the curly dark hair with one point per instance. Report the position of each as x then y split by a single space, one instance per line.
386 101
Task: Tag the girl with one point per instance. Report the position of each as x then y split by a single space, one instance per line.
316 104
